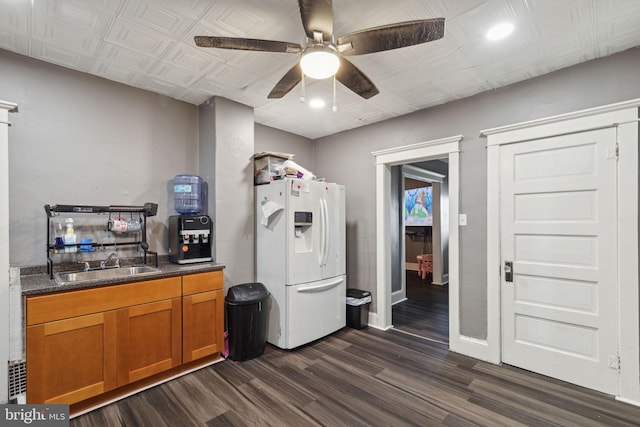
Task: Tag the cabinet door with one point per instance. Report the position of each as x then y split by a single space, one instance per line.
149 339
203 325
71 360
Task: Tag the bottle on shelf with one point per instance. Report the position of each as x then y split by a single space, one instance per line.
58 246
69 237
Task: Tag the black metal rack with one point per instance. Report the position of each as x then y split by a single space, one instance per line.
145 211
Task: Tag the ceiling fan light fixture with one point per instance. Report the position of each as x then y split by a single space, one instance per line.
316 103
500 31
319 62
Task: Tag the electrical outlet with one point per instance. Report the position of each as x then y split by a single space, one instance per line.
462 219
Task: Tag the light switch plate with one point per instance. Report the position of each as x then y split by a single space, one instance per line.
462 219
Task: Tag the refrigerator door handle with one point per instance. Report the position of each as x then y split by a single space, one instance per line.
323 235
320 288
327 234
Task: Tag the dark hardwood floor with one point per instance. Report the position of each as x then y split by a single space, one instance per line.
363 378
425 312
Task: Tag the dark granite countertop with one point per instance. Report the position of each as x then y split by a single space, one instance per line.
36 284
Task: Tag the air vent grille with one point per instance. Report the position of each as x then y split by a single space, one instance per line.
17 378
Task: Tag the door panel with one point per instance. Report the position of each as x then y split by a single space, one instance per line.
558 221
315 310
149 339
335 261
202 325
83 348
304 240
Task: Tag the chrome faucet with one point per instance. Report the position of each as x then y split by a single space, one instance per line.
103 264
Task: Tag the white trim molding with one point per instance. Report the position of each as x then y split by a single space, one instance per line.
623 117
384 159
5 279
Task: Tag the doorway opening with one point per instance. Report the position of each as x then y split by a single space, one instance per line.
420 287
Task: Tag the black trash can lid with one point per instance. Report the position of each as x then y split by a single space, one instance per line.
247 293
357 293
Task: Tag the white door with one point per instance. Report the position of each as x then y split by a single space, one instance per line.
334 245
558 222
304 231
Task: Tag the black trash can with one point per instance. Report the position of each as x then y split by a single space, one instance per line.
358 302
247 310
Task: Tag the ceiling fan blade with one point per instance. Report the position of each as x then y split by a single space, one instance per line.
394 36
247 44
354 79
286 83
317 15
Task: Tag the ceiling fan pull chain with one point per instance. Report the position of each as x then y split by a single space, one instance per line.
302 90
335 106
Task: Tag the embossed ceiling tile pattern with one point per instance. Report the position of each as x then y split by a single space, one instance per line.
132 36
50 32
126 58
112 71
88 17
157 18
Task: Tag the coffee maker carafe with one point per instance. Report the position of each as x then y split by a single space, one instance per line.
190 238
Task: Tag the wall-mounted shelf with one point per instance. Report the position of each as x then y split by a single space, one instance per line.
147 210
144 211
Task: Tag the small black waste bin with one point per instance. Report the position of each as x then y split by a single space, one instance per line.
247 309
358 302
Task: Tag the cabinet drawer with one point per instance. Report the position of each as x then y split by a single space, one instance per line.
47 308
202 282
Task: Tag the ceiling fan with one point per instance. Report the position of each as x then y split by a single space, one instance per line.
323 57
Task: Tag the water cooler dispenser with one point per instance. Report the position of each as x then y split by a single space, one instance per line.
190 233
190 238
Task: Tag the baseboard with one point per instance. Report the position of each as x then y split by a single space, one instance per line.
411 266
472 347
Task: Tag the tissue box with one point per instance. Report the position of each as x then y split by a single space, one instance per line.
269 166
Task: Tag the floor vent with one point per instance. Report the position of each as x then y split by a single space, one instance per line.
17 378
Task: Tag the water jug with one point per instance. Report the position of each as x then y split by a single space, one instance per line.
188 194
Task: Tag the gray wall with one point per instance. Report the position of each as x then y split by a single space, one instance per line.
270 139
80 139
346 158
226 147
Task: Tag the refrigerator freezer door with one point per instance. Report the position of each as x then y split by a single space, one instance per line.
314 310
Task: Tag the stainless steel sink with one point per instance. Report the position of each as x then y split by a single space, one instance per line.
102 274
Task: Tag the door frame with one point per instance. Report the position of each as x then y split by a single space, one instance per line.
624 118
385 159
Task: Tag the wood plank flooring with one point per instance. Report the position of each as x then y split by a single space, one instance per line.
363 378
426 311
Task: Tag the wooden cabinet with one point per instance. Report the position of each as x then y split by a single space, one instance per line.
71 360
82 344
202 315
149 340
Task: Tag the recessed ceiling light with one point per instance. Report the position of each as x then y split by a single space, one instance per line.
500 31
316 103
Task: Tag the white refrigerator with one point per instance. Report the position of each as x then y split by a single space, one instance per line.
300 258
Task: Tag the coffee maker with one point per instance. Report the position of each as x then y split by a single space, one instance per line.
190 238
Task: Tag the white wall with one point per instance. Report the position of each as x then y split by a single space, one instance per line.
346 158
80 139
